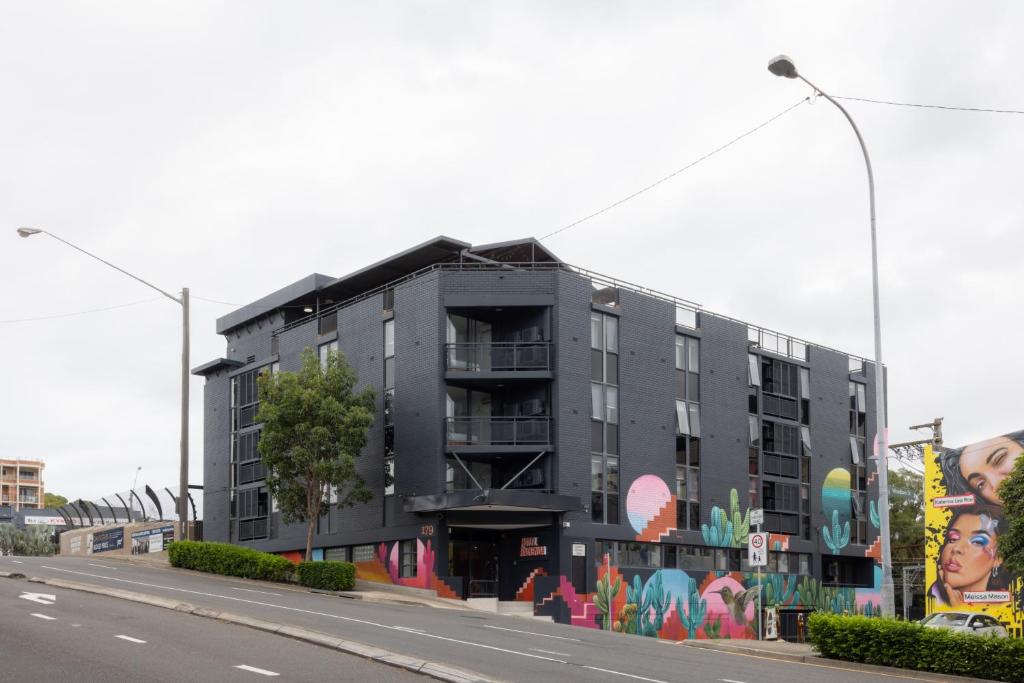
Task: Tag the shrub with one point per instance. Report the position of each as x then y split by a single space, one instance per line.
909 645
335 576
229 560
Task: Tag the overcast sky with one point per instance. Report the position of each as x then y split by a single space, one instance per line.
234 147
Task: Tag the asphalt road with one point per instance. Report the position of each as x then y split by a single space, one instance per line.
499 647
85 637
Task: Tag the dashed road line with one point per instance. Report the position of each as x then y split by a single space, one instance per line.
44 616
729 680
102 566
619 673
253 669
549 652
532 633
131 640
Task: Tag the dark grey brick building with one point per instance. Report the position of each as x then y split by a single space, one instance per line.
548 427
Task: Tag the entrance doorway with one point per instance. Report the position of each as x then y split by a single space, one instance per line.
474 554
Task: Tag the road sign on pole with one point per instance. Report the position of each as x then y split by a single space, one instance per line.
757 516
757 550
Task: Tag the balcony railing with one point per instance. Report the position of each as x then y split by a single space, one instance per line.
498 431
28 499
498 356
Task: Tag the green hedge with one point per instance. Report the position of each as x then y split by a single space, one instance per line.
909 645
229 560
328 575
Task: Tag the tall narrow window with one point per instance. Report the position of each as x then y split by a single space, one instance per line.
389 407
250 509
687 432
604 414
324 351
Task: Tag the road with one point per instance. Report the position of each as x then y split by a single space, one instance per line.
83 637
497 646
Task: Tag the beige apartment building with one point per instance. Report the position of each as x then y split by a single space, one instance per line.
21 484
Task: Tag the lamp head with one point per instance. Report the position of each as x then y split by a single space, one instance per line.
782 66
28 232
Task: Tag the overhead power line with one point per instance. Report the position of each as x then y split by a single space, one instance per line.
91 310
929 106
673 174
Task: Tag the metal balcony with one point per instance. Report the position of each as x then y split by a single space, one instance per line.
497 431
498 357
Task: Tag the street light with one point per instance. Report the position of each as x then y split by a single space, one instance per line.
785 67
131 493
183 302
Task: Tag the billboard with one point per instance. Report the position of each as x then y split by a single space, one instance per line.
963 521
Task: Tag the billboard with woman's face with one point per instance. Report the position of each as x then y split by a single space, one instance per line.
963 523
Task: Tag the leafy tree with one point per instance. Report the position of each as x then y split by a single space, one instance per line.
35 541
52 500
8 532
906 515
314 427
1011 543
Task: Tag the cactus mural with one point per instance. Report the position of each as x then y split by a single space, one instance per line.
719 532
778 589
839 537
693 617
873 514
605 596
740 524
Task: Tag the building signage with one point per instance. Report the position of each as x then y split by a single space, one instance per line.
579 549
757 550
953 501
47 521
151 540
111 539
757 516
979 597
76 545
529 548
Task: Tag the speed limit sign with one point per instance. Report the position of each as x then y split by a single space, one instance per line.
757 550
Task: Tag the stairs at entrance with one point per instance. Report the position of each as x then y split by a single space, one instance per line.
512 608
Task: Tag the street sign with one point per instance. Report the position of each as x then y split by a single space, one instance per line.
757 550
757 516
41 598
579 550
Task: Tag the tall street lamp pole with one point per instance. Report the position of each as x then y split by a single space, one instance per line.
784 66
183 302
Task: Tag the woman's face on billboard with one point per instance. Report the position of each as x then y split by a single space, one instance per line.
986 464
969 553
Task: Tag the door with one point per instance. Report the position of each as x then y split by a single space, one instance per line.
473 555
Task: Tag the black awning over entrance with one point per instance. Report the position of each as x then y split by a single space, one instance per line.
493 500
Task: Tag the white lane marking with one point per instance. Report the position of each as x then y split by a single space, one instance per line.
250 590
101 566
41 598
262 672
619 673
315 613
531 633
131 640
17 562
729 680
549 652
43 616
487 647
410 628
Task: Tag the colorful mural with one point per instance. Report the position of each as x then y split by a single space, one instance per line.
386 568
963 521
836 502
650 508
727 531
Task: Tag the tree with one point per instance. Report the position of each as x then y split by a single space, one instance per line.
52 500
314 428
1011 542
906 515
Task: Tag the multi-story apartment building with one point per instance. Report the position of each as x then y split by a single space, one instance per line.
21 484
543 432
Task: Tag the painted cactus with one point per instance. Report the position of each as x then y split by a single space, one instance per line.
656 602
694 616
605 597
779 589
740 523
713 629
873 514
839 537
720 532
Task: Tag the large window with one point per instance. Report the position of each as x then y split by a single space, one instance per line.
252 508
779 389
249 507
781 507
687 386
389 407
324 350
604 418
408 559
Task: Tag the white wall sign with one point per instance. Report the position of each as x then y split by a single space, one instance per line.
757 516
757 550
47 521
579 549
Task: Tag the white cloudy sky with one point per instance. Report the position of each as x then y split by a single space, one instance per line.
234 147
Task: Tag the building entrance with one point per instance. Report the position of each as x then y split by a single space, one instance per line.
474 554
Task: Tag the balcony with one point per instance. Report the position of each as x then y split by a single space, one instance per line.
498 360
498 434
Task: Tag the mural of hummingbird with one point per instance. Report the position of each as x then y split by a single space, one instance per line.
738 602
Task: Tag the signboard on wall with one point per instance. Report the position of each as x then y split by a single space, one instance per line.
529 547
46 521
151 540
110 539
963 522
